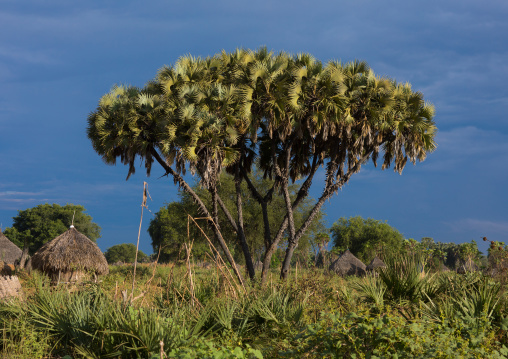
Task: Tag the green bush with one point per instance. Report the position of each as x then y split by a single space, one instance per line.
389 336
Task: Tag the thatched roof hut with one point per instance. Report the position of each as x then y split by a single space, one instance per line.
348 264
375 264
69 257
9 252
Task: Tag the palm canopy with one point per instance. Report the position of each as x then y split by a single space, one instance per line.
196 112
288 114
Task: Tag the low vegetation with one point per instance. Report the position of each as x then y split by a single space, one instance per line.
181 311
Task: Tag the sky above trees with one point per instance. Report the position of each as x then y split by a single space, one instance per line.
58 58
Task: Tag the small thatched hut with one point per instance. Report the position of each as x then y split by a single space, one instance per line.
9 252
348 264
375 264
70 257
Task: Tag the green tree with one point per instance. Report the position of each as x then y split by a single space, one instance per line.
125 252
365 238
287 114
35 226
169 226
469 252
168 231
497 254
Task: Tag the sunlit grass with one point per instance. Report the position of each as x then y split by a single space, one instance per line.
209 316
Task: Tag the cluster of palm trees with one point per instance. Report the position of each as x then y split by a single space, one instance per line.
289 115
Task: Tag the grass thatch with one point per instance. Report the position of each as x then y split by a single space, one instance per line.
376 263
70 252
9 252
348 264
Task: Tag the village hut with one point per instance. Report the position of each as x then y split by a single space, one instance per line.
375 264
9 252
70 257
348 264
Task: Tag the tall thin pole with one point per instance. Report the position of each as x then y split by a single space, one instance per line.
143 205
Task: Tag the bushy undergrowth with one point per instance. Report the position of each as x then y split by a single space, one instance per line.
393 315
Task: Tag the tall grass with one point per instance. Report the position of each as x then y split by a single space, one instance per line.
93 321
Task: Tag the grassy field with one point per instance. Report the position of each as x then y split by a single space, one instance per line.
181 312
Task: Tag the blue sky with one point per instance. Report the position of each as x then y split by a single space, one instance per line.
57 58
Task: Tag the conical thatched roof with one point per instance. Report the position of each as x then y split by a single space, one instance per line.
348 264
9 252
68 252
376 263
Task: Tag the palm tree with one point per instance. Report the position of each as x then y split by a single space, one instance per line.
288 115
169 121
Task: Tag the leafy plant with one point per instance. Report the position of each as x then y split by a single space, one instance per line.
372 288
405 279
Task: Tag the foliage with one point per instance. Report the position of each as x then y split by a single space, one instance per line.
387 336
372 288
45 222
125 252
313 316
169 226
469 251
168 231
405 279
437 254
287 114
365 238
203 348
498 256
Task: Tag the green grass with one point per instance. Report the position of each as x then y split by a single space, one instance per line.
401 312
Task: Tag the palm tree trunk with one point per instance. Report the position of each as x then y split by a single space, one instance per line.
302 194
291 240
240 232
333 184
24 255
